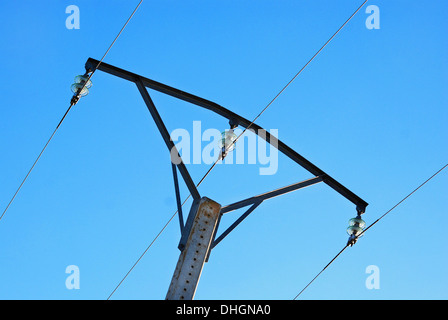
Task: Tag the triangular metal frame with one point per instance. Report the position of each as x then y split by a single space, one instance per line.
254 202
144 83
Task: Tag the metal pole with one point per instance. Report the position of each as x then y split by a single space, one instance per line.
193 256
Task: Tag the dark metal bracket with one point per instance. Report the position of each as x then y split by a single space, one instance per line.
254 202
271 194
178 201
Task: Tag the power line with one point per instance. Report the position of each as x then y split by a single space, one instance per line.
35 162
144 252
113 42
328 264
300 71
371 225
157 236
72 103
376 221
233 142
284 88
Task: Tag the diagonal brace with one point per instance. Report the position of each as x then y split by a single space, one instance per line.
169 143
271 194
236 223
179 204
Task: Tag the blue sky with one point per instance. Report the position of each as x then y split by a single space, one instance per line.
370 111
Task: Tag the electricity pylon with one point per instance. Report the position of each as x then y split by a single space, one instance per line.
199 233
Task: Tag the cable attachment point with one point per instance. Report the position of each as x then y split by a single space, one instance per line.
233 123
227 143
356 226
352 240
81 87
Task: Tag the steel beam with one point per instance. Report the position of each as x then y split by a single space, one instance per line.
256 201
236 223
178 201
270 194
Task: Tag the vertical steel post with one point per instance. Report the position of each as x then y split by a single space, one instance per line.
192 258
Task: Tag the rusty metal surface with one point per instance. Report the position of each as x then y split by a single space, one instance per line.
192 258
